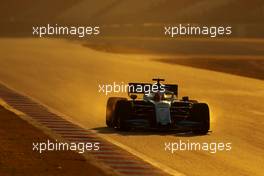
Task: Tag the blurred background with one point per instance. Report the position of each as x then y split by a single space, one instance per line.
136 17
136 26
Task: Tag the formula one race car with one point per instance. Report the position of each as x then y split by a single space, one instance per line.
159 108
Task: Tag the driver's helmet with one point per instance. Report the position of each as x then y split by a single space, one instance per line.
158 96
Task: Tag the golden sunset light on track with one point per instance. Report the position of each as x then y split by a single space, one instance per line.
65 76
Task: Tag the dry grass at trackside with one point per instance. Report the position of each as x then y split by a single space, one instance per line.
244 57
17 157
253 68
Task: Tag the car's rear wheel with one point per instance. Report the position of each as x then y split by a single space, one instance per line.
123 109
110 111
200 113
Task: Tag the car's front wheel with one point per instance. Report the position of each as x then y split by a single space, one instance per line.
200 113
123 109
110 111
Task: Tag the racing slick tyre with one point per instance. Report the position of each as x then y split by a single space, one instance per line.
200 113
123 109
110 111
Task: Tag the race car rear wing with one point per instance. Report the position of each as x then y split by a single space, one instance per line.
172 88
143 88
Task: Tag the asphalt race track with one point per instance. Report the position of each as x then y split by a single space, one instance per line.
65 76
